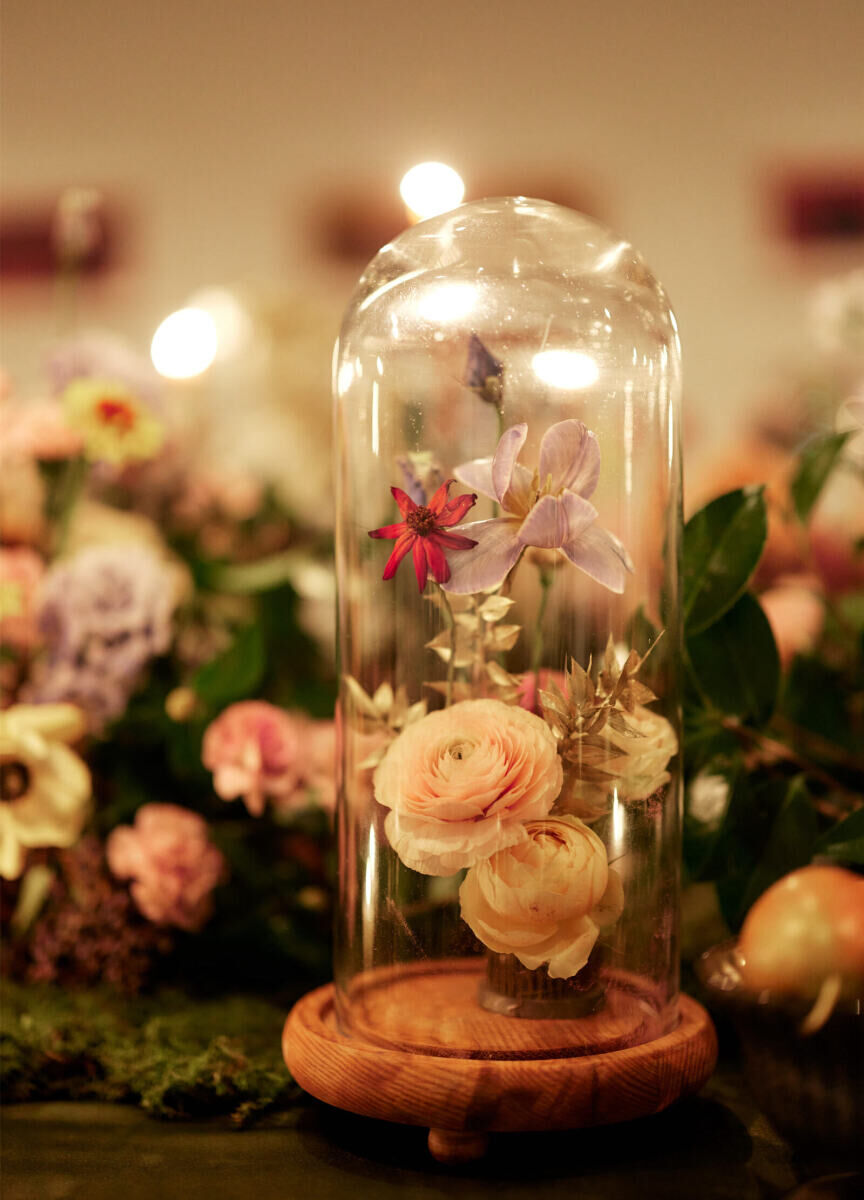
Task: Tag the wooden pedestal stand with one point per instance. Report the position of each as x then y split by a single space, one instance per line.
425 1053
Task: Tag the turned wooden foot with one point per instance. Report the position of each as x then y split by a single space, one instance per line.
456 1146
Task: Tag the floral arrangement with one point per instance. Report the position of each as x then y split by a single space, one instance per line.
153 670
774 642
494 777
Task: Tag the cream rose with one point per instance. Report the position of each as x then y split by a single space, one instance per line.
546 898
636 766
462 781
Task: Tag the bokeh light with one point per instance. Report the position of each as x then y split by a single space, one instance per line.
431 188
185 344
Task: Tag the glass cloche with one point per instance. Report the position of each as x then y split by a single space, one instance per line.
508 531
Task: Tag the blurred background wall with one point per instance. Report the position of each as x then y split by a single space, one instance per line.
216 127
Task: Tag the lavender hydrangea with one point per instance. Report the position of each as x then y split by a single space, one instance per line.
104 614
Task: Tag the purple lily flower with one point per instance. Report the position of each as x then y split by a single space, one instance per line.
548 508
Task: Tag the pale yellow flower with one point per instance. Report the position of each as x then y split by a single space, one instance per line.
44 786
546 898
115 425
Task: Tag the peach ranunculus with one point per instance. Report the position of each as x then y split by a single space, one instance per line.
21 570
796 613
255 750
546 898
461 782
173 864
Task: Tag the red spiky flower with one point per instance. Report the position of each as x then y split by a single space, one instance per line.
425 531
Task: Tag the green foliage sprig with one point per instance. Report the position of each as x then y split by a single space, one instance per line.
783 744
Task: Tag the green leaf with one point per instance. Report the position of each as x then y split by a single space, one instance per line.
815 697
264 574
791 842
845 840
722 546
234 674
735 665
815 464
750 816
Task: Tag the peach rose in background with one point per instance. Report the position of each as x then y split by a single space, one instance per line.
546 898
462 781
37 430
173 864
254 750
21 570
796 613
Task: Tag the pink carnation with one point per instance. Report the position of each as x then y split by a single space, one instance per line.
21 571
320 772
255 750
172 862
38 430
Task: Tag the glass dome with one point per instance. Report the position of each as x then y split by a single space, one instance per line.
508 528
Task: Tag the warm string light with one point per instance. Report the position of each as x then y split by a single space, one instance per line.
185 344
431 188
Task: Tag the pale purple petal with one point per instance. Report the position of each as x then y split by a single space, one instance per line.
477 475
580 514
546 524
512 441
599 554
520 494
486 564
569 453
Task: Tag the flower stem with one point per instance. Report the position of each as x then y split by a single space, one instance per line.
774 750
451 662
537 649
65 487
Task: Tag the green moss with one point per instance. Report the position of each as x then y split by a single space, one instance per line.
173 1056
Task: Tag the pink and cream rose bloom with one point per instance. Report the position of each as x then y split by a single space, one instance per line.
254 750
172 863
636 766
461 782
546 898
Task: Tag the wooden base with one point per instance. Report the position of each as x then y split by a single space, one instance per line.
463 1096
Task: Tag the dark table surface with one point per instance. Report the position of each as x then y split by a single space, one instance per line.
708 1147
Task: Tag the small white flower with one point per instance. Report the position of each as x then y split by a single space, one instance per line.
708 797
